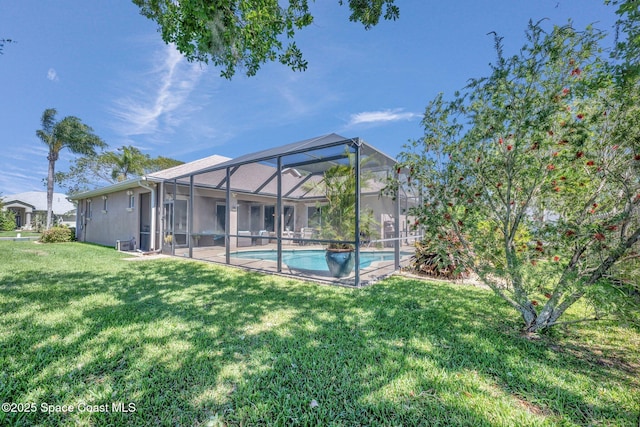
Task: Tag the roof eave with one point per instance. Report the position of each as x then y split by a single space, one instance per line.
124 185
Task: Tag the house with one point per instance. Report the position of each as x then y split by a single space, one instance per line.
30 209
215 207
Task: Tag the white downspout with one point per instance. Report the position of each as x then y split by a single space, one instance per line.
152 240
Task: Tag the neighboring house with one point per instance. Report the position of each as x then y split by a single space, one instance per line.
216 205
30 209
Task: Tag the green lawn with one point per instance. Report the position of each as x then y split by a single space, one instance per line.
189 343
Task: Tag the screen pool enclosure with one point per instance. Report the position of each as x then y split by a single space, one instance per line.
297 209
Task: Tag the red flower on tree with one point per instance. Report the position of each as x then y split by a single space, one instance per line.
590 163
599 236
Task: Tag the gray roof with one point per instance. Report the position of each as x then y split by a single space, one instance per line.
303 163
187 168
159 176
304 155
256 178
38 199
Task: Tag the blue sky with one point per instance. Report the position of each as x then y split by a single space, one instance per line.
106 64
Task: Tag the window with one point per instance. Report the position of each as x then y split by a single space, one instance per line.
288 220
88 210
132 201
314 215
221 217
269 218
104 204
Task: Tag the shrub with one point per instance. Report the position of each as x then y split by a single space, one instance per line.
7 221
432 262
58 234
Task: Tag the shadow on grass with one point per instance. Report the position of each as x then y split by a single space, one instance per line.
190 343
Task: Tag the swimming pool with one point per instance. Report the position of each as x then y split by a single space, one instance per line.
310 259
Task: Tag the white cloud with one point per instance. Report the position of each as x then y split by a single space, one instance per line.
52 75
368 117
159 102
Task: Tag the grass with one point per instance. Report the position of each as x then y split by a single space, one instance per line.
194 344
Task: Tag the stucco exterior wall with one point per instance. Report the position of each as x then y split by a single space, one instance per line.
117 222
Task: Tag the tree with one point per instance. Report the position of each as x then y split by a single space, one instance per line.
246 33
68 133
129 161
7 218
110 167
530 178
628 37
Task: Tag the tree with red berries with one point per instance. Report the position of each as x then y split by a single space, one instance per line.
535 171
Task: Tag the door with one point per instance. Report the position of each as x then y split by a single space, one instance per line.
221 218
167 232
256 219
145 221
180 223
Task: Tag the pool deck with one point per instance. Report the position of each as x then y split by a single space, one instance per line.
375 272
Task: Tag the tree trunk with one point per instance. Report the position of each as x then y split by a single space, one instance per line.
52 163
530 317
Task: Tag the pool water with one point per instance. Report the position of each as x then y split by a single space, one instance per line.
310 259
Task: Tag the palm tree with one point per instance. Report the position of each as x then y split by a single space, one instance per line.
68 133
127 162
